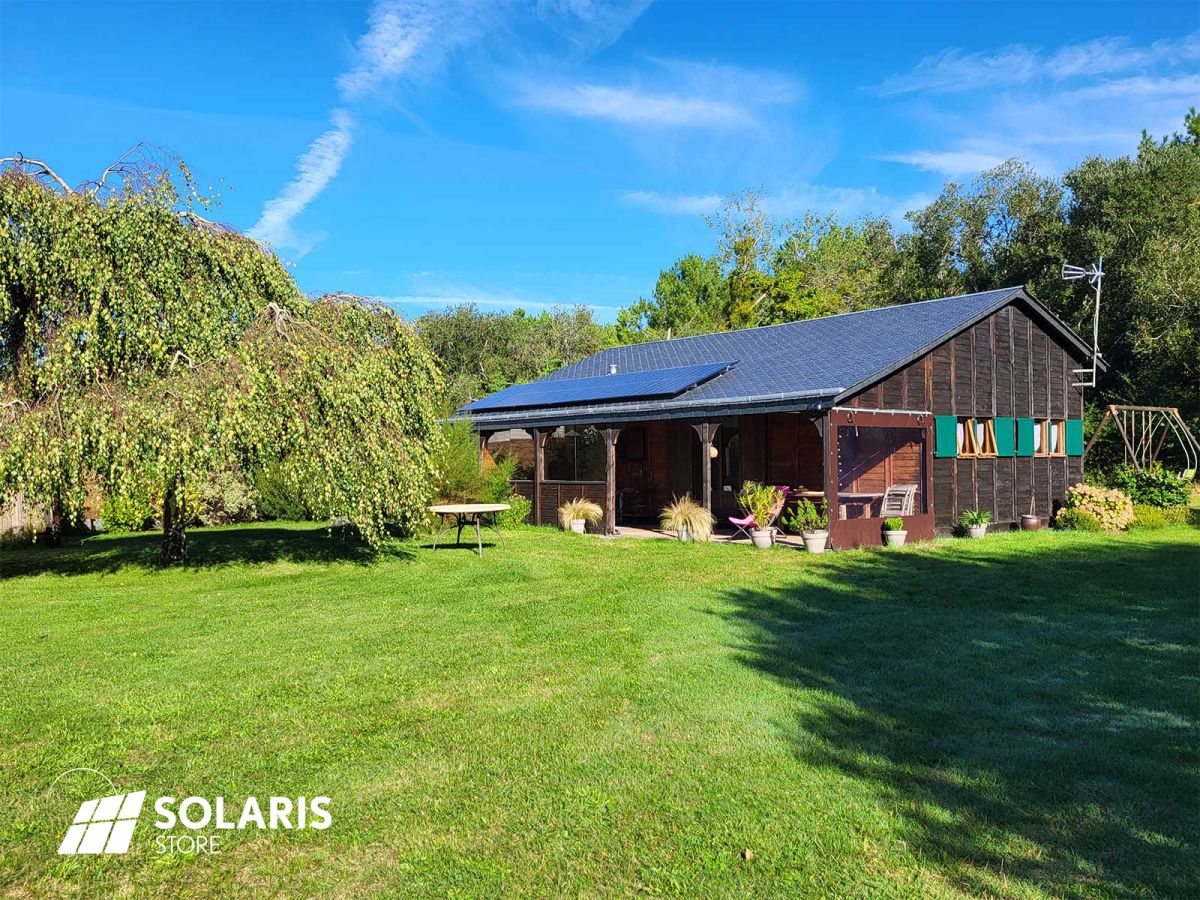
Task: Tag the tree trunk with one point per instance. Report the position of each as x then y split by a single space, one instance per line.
174 541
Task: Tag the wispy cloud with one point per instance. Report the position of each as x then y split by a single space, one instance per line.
314 170
407 40
953 71
787 202
1046 108
632 107
403 37
952 163
675 94
437 291
673 204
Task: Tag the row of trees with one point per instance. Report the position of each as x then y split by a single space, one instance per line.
1009 226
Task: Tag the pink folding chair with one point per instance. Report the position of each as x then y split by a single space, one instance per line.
746 523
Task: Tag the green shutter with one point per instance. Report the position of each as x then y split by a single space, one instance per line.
1005 436
945 431
1025 437
1074 437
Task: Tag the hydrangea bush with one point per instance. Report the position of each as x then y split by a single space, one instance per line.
1110 507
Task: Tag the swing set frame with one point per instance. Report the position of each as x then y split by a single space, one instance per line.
1144 431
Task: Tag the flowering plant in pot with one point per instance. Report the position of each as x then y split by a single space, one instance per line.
975 521
812 523
760 501
575 514
894 534
688 519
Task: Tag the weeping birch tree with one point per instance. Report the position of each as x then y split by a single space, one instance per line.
143 346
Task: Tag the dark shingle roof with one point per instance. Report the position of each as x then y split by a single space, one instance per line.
799 364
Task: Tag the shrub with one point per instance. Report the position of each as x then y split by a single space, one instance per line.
225 498
1070 519
893 524
686 513
120 514
1152 487
461 479
1110 507
1147 516
276 497
518 514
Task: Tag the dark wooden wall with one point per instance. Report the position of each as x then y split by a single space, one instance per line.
781 448
1006 365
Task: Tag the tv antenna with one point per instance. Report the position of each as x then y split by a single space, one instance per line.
1095 275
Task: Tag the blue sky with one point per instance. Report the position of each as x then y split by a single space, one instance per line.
525 155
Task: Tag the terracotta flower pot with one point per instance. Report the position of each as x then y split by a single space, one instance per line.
895 538
1031 523
815 541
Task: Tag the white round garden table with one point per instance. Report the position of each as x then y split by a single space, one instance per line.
463 515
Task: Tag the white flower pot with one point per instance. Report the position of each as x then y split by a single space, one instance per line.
895 538
684 534
815 541
761 539
579 526
976 531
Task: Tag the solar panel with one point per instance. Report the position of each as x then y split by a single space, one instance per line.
627 386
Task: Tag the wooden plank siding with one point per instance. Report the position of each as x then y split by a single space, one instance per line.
1005 365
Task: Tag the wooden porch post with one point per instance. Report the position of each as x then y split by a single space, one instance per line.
539 472
610 479
706 432
830 450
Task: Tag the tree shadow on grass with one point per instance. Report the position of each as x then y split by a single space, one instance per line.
207 548
1028 717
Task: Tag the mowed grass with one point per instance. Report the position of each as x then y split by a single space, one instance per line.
574 716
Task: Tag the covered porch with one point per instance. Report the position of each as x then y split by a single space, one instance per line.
848 458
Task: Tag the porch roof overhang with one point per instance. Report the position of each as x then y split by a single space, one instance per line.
681 408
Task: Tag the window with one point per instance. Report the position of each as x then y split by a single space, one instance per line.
1050 438
976 437
514 443
575 453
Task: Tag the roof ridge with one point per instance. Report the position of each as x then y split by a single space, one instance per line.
853 312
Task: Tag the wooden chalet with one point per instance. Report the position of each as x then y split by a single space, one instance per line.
970 399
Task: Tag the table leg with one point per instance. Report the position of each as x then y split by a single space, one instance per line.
492 525
462 523
441 530
478 537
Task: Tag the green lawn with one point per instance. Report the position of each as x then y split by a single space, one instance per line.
571 716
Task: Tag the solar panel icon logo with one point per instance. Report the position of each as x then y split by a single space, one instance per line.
104 825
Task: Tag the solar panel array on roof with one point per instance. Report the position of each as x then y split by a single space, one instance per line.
628 386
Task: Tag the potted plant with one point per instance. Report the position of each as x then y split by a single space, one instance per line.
575 514
812 524
1031 521
760 501
975 521
688 519
893 532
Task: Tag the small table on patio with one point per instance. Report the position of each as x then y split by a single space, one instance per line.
466 514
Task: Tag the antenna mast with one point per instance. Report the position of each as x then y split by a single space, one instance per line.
1095 275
